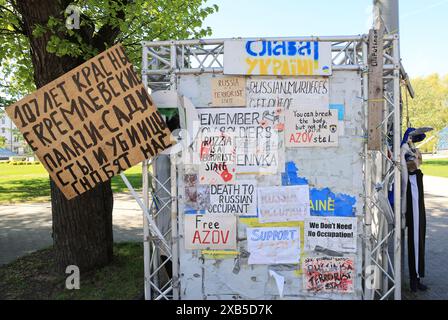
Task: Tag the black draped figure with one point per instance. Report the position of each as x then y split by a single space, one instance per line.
416 224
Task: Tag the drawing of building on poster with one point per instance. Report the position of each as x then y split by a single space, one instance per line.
258 136
328 274
339 234
239 198
283 203
216 157
276 245
197 196
311 128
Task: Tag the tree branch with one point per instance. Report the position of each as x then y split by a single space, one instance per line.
108 33
19 30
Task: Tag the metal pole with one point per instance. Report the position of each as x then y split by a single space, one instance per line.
145 190
386 13
174 231
146 238
368 292
397 173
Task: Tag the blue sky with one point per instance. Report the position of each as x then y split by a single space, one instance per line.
423 25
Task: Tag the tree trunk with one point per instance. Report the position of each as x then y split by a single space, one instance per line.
82 227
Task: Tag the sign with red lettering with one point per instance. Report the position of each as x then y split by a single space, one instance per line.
217 157
210 231
91 123
311 127
328 274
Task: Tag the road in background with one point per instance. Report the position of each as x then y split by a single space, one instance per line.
26 227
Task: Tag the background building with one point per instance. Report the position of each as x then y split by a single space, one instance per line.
13 139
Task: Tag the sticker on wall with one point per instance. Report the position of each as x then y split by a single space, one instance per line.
326 203
311 128
290 92
328 274
338 234
228 92
277 245
239 198
210 232
283 203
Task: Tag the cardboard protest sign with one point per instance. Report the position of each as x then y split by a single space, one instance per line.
311 128
290 92
239 198
339 234
228 92
282 204
91 123
277 245
329 274
210 231
258 134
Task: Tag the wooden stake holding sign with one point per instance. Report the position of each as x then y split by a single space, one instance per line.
91 123
376 90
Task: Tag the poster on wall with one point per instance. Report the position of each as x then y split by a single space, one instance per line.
311 128
312 92
228 92
258 133
239 198
338 234
277 57
216 157
276 245
329 274
283 203
92 123
209 231
196 196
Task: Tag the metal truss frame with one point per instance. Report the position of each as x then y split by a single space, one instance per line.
163 61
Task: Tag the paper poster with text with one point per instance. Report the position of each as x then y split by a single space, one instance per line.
283 203
92 123
210 231
300 92
338 234
276 245
311 127
239 198
228 91
217 157
258 134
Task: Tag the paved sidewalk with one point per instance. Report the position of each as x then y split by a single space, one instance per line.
26 227
436 202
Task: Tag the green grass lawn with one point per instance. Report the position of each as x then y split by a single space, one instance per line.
435 167
19 183
34 277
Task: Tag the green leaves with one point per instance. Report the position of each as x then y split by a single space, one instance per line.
429 107
102 24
